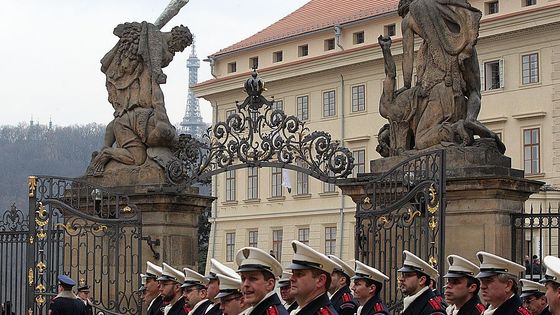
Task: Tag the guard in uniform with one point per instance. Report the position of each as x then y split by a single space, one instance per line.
231 298
414 283
152 295
83 295
195 292
499 285
170 289
66 303
532 295
258 272
342 299
551 281
286 292
368 283
461 290
216 268
311 277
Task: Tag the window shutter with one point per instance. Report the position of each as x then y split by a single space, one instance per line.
502 73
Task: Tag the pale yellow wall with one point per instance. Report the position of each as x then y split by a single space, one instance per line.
508 110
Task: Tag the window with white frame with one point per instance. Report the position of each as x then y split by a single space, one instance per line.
531 150
278 104
328 187
253 238
526 3
329 104
358 98
230 112
302 181
230 185
492 75
252 183
276 177
230 246
359 162
303 235
530 68
302 107
277 236
330 240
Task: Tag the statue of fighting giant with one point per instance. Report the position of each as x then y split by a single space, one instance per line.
443 105
140 130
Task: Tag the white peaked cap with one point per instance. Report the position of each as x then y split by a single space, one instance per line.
364 271
552 265
306 257
217 268
529 288
413 263
152 270
256 259
192 277
228 285
284 281
170 273
344 267
491 265
460 267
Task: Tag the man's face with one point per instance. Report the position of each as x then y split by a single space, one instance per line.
457 290
336 283
167 290
535 305
287 294
193 295
362 292
152 288
84 295
254 287
553 298
231 305
303 284
494 292
213 288
409 283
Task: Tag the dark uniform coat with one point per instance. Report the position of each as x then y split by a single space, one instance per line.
178 308
374 306
472 307
425 304
89 308
65 304
320 306
511 307
292 307
156 306
343 302
546 311
270 306
201 309
215 310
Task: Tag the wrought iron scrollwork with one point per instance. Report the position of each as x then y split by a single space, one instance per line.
258 135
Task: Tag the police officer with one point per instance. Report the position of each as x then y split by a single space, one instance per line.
311 278
461 290
341 296
532 295
415 285
258 272
170 283
66 303
83 295
552 283
498 283
216 268
195 292
231 298
152 295
286 291
368 283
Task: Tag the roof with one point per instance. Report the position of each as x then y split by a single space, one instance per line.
314 16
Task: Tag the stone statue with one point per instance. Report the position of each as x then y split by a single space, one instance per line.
443 106
140 130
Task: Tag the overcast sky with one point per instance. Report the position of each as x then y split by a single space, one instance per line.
50 52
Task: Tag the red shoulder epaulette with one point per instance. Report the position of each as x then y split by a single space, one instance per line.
378 307
346 297
438 298
435 304
324 311
272 310
186 308
480 308
523 311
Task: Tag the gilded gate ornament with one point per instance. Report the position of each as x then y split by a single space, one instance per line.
32 185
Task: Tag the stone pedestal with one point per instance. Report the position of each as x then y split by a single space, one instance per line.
170 218
482 191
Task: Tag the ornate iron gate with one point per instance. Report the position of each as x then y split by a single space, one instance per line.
403 209
90 234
